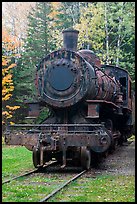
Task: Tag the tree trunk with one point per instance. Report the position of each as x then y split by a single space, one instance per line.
119 38
107 35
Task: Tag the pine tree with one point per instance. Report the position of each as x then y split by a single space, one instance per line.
69 14
37 45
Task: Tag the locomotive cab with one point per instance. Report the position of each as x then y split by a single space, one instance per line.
126 118
123 78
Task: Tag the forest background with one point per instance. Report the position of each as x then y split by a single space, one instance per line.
31 30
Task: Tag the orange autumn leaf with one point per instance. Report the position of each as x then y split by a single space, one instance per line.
8 44
12 107
12 65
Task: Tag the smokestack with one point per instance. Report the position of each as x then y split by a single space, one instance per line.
70 39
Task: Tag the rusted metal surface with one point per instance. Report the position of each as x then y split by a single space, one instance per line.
107 87
90 57
80 93
97 142
70 38
21 138
93 110
129 94
64 78
56 137
85 157
123 80
103 101
95 105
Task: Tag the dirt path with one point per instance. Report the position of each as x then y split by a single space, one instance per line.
122 161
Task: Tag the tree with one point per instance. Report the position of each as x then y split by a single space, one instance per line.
108 28
104 27
7 81
36 46
39 42
69 14
91 27
14 19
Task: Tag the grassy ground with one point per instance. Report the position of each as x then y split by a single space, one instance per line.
15 159
28 190
101 189
104 188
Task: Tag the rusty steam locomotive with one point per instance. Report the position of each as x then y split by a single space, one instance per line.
90 103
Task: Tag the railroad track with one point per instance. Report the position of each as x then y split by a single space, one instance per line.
22 175
29 173
62 186
49 170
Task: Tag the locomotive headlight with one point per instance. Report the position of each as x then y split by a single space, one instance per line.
60 78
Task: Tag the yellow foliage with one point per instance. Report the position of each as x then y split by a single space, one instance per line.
53 14
55 5
4 62
92 27
6 80
7 97
6 91
11 123
11 66
12 108
55 10
9 116
8 44
5 113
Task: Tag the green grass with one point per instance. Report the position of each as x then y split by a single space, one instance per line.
25 190
101 189
104 188
132 138
15 160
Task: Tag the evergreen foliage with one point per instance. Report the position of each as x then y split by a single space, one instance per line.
36 46
107 28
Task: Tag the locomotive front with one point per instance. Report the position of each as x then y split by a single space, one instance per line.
77 91
63 77
67 76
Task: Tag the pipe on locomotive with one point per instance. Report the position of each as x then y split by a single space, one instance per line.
70 39
65 77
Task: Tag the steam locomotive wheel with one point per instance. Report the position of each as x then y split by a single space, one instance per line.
109 126
47 156
36 157
85 158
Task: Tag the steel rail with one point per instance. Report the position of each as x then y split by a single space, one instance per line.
16 177
28 173
61 187
55 125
